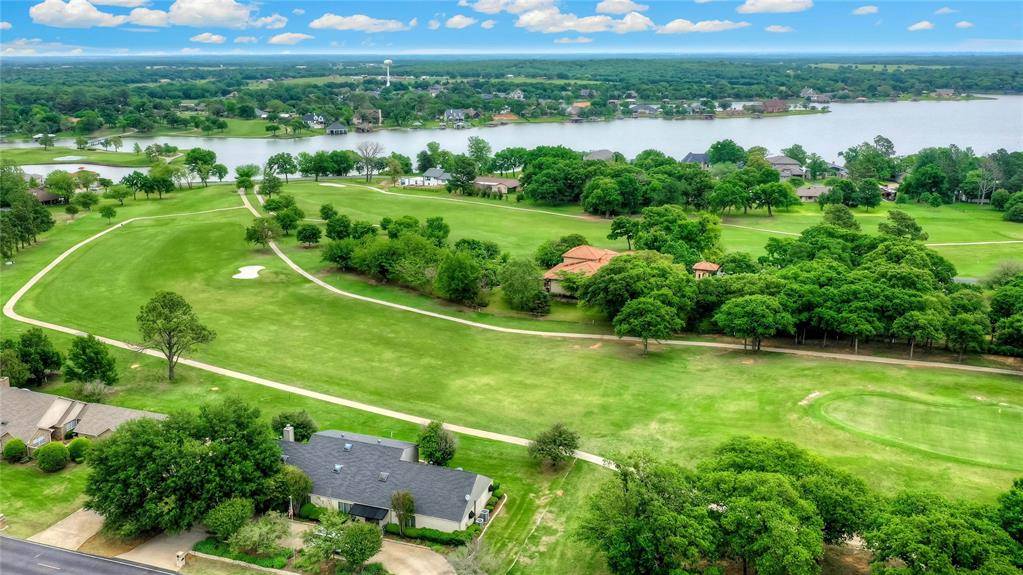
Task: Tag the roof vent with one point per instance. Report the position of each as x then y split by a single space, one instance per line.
379 440
348 447
338 467
468 497
383 475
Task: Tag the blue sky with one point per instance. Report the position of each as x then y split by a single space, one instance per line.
174 27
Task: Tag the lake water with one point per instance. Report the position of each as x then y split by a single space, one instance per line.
984 125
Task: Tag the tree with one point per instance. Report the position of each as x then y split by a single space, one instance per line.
199 162
243 176
86 200
601 196
52 457
1010 510
458 278
753 317
72 210
273 129
88 361
554 446
108 212
643 275
79 449
136 148
220 171
436 444
46 141
774 195
479 151
966 332
816 166
81 142
168 324
38 355
900 224
260 537
394 171
918 326
463 175
300 421
321 545
263 231
281 163
646 318
228 517
13 368
118 192
290 489
726 151
270 185
341 252
61 183
404 506
796 152
623 227
309 234
359 541
369 152
289 218
840 215
868 193
327 213
522 286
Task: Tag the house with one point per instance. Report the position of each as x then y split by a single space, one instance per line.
587 93
435 89
39 418
807 93
491 186
836 170
786 166
517 94
337 129
820 99
314 120
705 269
811 193
889 191
644 110
368 116
694 158
357 474
435 177
580 260
460 115
600 156
944 92
774 106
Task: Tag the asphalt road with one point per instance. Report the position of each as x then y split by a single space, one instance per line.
19 557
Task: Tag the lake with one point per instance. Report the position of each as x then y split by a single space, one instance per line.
984 125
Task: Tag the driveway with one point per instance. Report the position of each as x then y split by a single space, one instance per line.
404 559
72 531
161 551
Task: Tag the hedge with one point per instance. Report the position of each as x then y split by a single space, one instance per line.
52 457
228 516
310 511
79 448
15 451
211 546
433 535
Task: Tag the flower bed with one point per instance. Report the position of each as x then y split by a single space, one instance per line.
211 546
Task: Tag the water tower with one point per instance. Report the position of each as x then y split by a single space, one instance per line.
387 66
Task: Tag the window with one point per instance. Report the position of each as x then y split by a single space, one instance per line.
344 507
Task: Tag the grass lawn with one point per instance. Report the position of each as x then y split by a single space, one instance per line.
32 500
53 155
238 128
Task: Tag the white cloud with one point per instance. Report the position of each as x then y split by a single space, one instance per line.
298 11
921 25
210 13
633 22
576 40
147 17
413 22
289 38
945 10
272 22
683 26
208 38
865 10
620 7
488 24
190 50
72 14
774 6
357 22
5 25
121 3
459 21
703 1
509 6
433 24
246 40
778 29
552 21
964 24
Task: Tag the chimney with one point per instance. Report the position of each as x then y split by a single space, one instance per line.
289 433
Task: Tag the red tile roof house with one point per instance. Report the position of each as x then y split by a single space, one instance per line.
580 260
705 269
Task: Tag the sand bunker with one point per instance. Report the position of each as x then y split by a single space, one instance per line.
69 158
248 273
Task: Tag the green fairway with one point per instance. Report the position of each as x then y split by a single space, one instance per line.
238 128
32 500
678 402
56 155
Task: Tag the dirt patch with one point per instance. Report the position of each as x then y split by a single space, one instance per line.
597 345
110 546
135 366
810 398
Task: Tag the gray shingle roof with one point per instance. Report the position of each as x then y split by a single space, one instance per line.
438 491
23 412
601 155
437 173
695 158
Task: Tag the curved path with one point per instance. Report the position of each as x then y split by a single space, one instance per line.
11 303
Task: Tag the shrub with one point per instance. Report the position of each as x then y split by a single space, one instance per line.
260 537
1014 214
15 451
433 535
211 546
52 457
79 448
228 517
289 486
999 198
310 512
554 446
300 421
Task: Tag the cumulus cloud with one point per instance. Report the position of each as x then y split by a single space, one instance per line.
289 38
433 24
964 24
208 38
633 22
576 40
147 17
509 6
358 22
778 29
121 3
272 22
298 11
553 21
620 7
921 25
774 6
212 13
246 40
683 26
865 10
488 24
459 21
5 25
72 14
945 10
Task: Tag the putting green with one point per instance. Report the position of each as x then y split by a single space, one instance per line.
980 432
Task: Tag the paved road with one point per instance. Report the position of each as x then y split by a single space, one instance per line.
19 557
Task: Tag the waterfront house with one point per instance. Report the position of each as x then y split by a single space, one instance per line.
358 474
580 260
786 166
436 177
644 110
703 160
774 106
337 129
